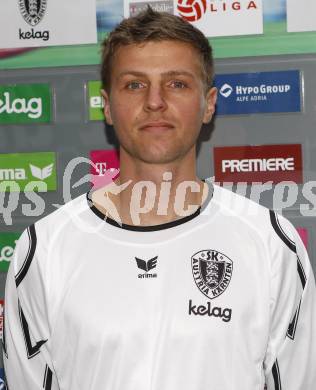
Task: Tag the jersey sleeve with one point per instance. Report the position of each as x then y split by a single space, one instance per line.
27 361
290 362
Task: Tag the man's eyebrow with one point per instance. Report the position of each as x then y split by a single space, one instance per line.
170 73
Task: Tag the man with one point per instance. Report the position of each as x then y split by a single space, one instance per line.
160 280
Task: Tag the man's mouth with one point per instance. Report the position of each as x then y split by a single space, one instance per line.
157 126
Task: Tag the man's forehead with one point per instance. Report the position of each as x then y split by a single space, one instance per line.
168 58
176 51
164 74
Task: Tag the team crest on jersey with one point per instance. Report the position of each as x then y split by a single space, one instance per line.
212 272
33 11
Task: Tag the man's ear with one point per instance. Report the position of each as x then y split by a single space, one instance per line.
106 110
211 98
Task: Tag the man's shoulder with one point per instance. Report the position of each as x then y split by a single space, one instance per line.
271 225
237 204
64 216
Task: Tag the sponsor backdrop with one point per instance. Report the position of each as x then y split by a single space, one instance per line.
95 100
52 124
28 172
105 168
252 164
25 103
304 235
248 93
7 245
301 15
32 23
241 19
214 18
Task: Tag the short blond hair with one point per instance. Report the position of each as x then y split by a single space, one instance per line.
149 26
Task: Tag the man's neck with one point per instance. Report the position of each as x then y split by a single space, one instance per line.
152 196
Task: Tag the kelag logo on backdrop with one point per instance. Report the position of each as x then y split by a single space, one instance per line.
96 101
32 23
7 246
33 12
263 163
20 171
248 93
25 103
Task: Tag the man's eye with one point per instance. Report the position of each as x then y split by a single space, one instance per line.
178 84
134 85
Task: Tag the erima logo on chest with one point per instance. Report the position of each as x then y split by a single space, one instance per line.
147 266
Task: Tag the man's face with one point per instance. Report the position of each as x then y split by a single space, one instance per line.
157 103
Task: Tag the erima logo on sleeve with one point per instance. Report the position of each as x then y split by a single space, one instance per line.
147 266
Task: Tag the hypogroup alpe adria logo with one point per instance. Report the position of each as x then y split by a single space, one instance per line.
226 90
33 11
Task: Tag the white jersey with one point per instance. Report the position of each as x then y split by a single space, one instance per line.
221 300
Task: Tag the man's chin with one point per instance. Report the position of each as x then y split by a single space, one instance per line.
159 159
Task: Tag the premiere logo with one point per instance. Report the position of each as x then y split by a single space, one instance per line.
263 163
258 165
207 310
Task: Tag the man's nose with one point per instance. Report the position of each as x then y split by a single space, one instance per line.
155 99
